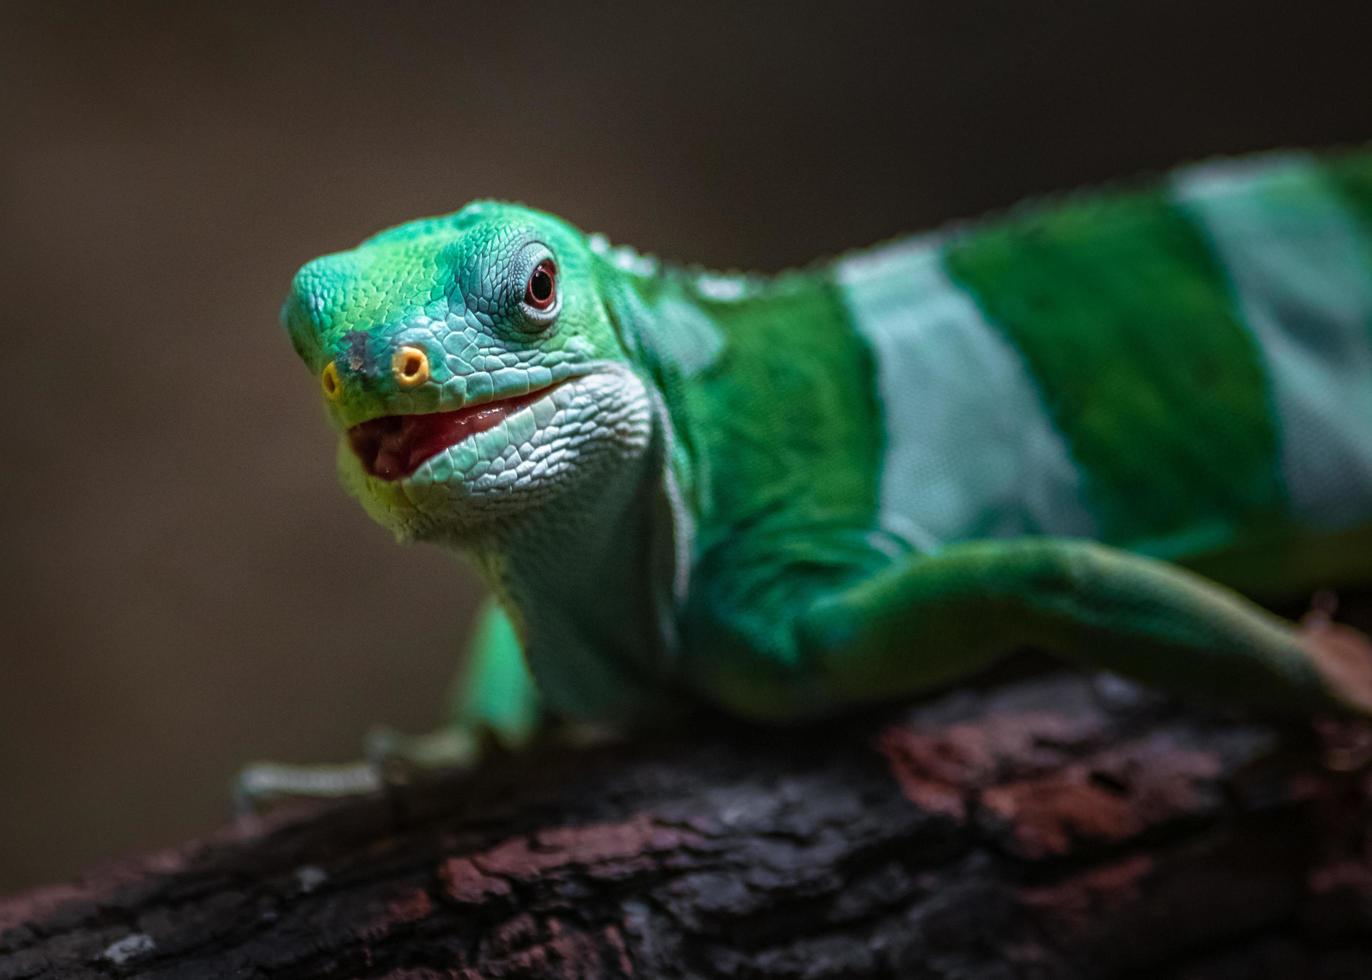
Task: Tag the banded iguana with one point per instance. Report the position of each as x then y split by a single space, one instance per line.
787 495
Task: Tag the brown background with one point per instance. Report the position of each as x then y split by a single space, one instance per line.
182 585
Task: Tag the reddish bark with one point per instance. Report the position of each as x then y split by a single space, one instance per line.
1027 830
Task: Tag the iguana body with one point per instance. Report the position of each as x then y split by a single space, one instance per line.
789 495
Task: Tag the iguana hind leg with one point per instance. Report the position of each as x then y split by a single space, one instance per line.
926 621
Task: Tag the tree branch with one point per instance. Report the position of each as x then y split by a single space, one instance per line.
1024 830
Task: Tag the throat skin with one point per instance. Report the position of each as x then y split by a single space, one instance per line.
579 582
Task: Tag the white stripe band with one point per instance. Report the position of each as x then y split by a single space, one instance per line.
1301 271
970 448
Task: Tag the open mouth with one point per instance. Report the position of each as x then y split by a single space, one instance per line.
394 446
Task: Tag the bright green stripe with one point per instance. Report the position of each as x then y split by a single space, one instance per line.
784 417
1126 321
784 432
1351 176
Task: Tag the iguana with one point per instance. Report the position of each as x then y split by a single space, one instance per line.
1079 427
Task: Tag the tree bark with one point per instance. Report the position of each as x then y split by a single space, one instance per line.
1042 827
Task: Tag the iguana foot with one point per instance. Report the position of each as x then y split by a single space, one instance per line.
260 784
394 759
1342 655
391 759
401 756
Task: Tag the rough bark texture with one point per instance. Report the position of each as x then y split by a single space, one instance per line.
1033 829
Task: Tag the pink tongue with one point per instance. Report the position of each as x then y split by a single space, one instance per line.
394 446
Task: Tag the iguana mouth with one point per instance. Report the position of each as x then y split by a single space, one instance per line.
394 446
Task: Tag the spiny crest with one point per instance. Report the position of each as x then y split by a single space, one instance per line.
442 224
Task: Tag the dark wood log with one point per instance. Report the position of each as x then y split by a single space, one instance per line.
1029 829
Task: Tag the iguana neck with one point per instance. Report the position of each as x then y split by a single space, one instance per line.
578 580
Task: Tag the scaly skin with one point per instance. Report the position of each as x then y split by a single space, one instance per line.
789 495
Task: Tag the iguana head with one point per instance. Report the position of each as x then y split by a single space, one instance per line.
470 366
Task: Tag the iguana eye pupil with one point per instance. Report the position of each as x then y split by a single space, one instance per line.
542 287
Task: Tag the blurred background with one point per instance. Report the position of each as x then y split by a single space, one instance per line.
183 586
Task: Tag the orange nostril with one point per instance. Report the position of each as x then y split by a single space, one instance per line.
333 387
410 366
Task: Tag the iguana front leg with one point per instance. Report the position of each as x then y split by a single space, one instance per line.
494 699
926 621
493 696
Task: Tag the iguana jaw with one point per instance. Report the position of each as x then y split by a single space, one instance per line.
532 450
393 446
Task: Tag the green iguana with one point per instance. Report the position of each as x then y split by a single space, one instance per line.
1079 428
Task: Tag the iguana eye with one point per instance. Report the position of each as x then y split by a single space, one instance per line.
531 290
540 292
